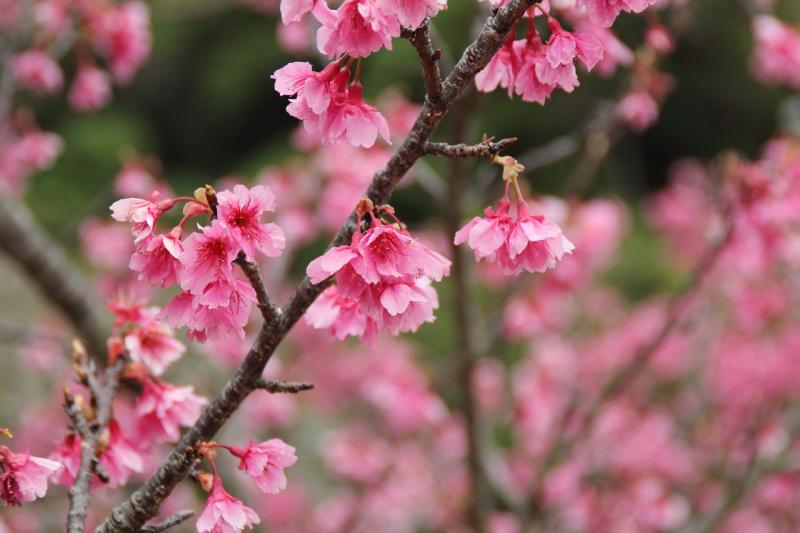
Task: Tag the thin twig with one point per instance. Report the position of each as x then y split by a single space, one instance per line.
487 149
429 56
91 433
250 269
143 504
287 387
172 521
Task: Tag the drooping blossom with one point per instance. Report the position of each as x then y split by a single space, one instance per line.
37 71
564 47
23 477
265 462
207 261
239 211
91 89
605 12
341 316
152 343
163 408
411 13
157 258
225 514
120 458
357 28
207 322
142 214
296 10
388 272
517 242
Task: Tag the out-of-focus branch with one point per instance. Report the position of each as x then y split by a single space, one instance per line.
564 443
91 429
144 503
487 149
42 260
287 387
169 523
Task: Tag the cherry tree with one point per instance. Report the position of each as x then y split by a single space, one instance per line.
565 407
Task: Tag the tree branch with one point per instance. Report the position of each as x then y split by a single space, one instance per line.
487 149
92 432
250 269
429 56
23 240
172 521
288 387
143 504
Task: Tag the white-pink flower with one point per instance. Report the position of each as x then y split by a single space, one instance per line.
153 344
23 477
163 408
225 514
265 463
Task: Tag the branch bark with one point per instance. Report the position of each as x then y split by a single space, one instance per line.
486 149
287 387
91 435
143 504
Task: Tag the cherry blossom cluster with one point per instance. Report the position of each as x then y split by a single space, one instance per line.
214 302
328 102
516 240
383 279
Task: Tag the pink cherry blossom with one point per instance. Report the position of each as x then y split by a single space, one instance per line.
153 344
265 463
638 110
527 83
120 458
163 408
605 12
351 119
23 477
777 52
240 213
142 214
37 71
215 322
357 28
296 10
122 33
340 315
411 13
563 47
225 514
157 258
521 242
91 89
502 68
207 261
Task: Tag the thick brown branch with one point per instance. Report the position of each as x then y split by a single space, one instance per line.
143 504
172 521
287 387
41 259
486 149
429 56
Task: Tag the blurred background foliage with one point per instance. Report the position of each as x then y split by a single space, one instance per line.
205 107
